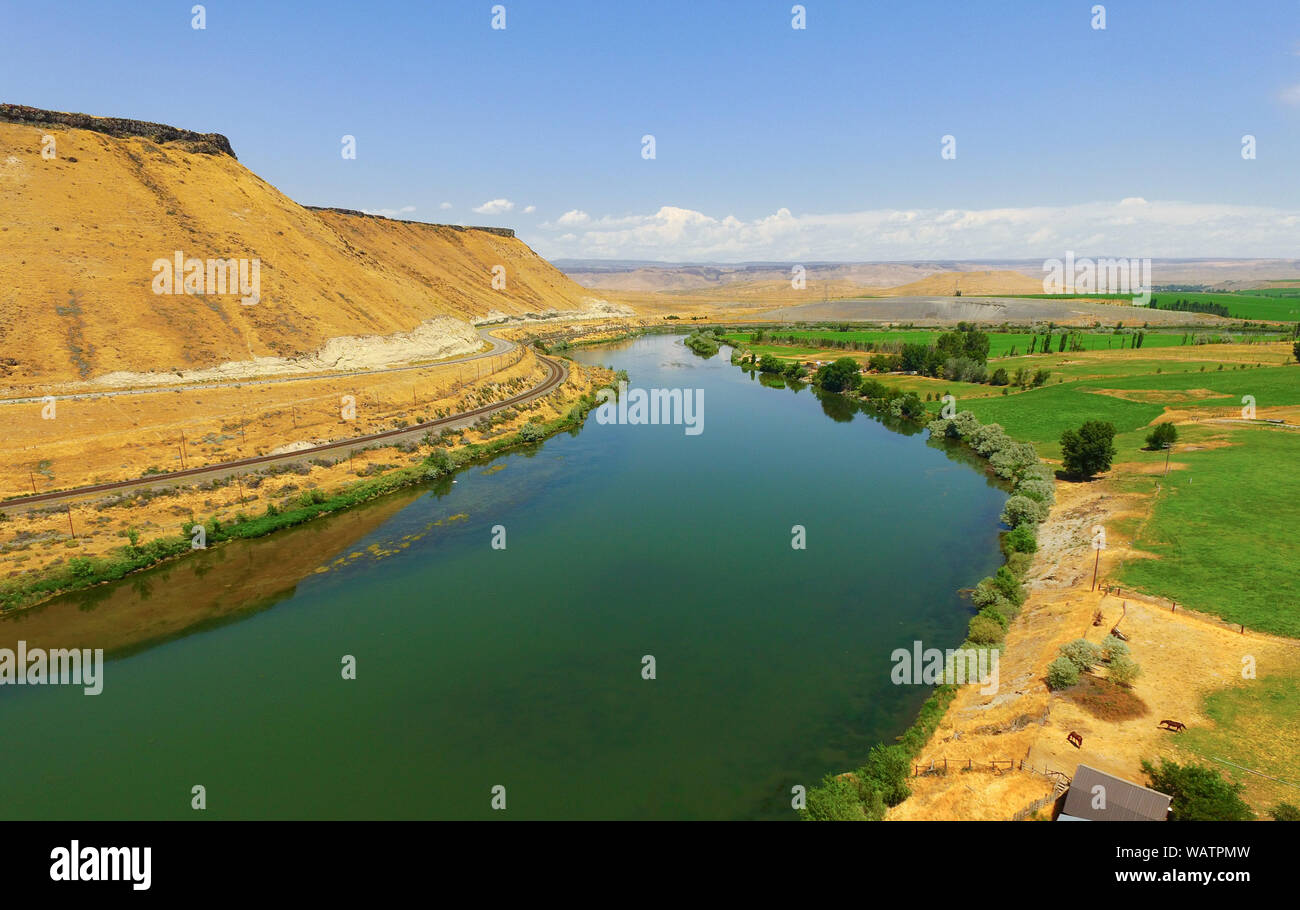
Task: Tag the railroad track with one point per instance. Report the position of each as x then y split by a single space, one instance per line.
558 373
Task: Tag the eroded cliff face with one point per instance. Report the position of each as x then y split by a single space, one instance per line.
88 219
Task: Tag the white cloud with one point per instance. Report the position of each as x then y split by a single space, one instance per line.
528 210
391 213
573 218
495 207
1291 95
1131 227
444 205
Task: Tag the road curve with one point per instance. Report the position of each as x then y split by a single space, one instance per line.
557 375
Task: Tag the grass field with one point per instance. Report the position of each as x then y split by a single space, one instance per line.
1257 727
1222 530
1001 344
1268 304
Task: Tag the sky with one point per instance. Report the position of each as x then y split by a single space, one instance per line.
771 143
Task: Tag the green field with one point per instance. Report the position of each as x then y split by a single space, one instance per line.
1001 344
1223 528
1268 304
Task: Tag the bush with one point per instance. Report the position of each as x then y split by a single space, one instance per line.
438 462
1162 435
532 432
1123 669
1199 793
1113 647
885 772
1020 539
1082 653
1021 510
1285 812
985 631
1061 674
835 800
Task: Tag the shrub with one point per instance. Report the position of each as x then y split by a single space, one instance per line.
1123 669
1061 674
531 432
438 462
1113 647
992 612
985 631
1199 793
836 800
885 772
1021 510
1037 488
1082 653
1285 812
1020 539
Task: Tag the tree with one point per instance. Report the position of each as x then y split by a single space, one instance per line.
838 376
1088 450
1163 434
1199 793
1295 349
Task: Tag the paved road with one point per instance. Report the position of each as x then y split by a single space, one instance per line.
558 372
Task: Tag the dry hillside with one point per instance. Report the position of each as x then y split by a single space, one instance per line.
80 232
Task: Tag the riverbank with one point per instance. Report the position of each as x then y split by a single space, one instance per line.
1001 755
102 538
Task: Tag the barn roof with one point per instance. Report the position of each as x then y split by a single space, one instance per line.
1124 801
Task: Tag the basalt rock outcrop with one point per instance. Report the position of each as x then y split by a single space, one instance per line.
203 143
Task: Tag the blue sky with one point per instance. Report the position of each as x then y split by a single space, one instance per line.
771 142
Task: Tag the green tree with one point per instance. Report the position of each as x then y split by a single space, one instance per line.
1199 793
1161 435
1088 450
839 375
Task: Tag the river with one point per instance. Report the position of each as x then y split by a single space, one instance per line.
522 667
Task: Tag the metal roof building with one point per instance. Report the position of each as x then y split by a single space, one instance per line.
1120 800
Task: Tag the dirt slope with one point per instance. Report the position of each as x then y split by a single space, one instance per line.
80 233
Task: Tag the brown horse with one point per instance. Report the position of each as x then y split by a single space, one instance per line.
1176 726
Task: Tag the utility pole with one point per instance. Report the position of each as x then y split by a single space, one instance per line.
1168 448
71 530
182 449
240 482
32 477
1095 564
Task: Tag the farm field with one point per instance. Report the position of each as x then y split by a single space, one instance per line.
1267 304
1001 344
